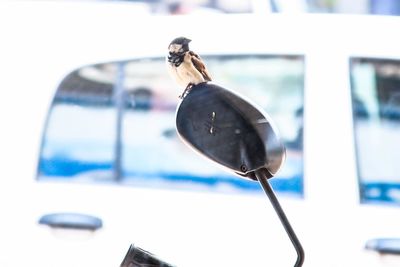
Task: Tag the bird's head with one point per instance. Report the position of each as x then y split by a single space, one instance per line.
179 45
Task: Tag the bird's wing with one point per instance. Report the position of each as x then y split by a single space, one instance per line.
198 63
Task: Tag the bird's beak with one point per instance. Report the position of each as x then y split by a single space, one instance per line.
187 41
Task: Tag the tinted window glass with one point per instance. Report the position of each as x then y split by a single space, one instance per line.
376 112
80 133
128 132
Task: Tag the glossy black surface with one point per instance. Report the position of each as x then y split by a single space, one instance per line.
137 257
229 130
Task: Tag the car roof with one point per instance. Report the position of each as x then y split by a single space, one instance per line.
103 33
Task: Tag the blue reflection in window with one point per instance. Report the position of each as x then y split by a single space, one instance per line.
96 132
376 112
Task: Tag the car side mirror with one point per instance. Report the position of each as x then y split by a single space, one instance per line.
234 133
229 130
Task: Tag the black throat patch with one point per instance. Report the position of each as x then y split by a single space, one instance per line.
176 59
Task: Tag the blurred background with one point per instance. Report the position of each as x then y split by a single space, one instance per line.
91 161
376 7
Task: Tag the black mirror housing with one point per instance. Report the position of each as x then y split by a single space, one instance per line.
229 130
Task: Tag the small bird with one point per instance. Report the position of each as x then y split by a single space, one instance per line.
185 66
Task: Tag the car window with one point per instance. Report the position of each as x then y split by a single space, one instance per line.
375 88
80 131
115 122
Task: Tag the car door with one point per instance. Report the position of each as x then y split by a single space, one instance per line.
375 90
111 129
340 139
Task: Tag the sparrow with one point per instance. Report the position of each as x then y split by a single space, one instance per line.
185 66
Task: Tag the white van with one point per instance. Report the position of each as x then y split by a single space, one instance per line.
92 162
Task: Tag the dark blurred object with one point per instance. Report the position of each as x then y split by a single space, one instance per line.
137 257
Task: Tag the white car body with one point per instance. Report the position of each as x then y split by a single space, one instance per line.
44 41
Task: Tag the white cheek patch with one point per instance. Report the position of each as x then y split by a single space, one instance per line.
175 48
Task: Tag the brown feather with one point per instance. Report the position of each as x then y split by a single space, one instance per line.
198 63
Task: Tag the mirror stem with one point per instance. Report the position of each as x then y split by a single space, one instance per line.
262 177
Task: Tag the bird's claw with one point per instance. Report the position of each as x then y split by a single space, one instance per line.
186 91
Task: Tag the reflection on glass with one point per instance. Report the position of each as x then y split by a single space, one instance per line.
376 112
79 138
151 153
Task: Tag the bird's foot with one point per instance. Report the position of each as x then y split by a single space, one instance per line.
186 91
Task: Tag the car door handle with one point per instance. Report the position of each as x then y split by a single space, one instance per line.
71 221
384 245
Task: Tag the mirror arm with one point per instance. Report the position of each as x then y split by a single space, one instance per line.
262 177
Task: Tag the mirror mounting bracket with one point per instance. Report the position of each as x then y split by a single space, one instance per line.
262 176
229 130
